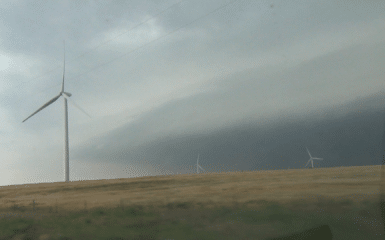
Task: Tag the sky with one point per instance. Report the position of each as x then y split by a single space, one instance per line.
245 84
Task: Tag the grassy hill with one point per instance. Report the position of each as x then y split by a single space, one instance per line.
233 205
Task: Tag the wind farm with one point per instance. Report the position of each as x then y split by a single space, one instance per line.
166 82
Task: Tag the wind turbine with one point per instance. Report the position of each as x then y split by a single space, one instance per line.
311 159
65 96
198 166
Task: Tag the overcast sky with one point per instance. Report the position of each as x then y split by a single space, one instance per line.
149 71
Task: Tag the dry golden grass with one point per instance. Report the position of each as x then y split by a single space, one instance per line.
208 189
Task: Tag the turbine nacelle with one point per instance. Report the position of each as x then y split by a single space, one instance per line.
66 94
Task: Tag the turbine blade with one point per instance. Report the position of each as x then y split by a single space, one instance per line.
44 106
318 158
308 152
201 168
198 164
307 163
73 102
64 67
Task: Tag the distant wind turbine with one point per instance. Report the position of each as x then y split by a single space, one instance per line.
66 96
311 159
198 166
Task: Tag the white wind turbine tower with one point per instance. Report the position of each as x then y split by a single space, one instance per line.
311 159
198 166
66 96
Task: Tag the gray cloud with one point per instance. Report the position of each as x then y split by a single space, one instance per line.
248 97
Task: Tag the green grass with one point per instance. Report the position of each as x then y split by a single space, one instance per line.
184 221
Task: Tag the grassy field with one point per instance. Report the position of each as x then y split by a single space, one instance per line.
241 205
